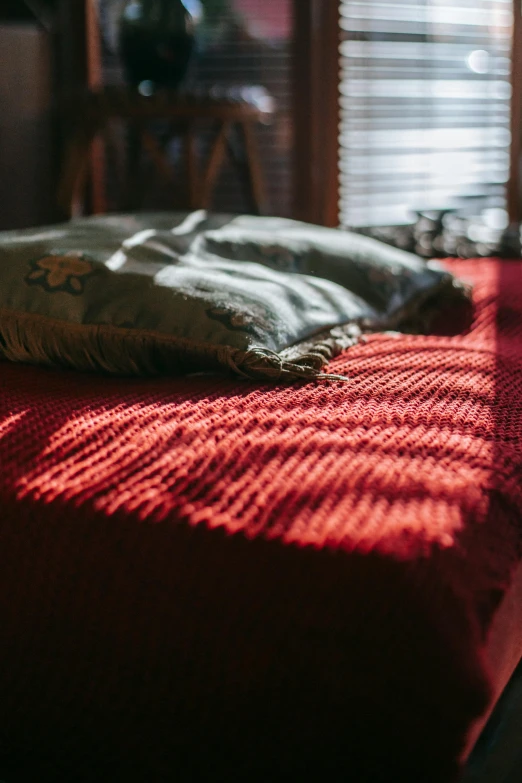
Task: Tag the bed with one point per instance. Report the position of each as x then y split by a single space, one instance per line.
208 578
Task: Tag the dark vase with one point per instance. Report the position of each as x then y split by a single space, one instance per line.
156 42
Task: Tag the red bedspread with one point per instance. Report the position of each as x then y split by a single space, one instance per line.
243 583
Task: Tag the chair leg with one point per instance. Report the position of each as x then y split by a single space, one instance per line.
157 155
254 169
114 147
75 169
97 178
217 156
134 185
192 168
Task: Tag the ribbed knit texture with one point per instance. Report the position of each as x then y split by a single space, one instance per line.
205 579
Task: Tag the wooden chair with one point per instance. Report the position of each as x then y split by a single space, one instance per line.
184 115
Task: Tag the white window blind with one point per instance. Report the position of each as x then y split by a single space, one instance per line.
425 108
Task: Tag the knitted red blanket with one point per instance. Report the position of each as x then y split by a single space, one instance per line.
201 578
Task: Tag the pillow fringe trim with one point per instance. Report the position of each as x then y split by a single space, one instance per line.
32 338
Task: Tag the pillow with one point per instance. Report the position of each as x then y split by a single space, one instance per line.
268 298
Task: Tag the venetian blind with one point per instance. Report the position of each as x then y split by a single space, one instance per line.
425 108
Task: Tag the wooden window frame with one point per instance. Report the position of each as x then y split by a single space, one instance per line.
316 77
316 111
514 186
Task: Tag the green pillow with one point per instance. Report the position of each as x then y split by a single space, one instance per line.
268 298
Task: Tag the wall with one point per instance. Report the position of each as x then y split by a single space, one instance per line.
26 165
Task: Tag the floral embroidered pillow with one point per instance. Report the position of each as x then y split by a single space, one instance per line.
67 272
164 293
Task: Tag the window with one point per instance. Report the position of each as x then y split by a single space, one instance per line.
424 108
